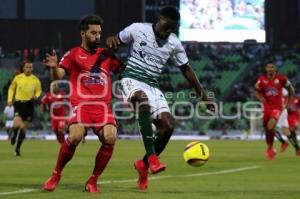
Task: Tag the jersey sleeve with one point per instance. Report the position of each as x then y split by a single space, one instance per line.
44 99
38 90
126 35
179 56
284 80
115 64
66 61
11 90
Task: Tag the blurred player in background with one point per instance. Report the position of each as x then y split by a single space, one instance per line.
268 90
288 123
24 89
294 115
56 101
9 117
151 45
88 67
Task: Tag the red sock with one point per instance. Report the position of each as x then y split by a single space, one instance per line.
65 155
103 156
270 139
60 137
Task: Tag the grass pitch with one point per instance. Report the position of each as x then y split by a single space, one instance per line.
236 170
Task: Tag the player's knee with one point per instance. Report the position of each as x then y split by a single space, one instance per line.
75 139
140 101
109 134
168 128
110 139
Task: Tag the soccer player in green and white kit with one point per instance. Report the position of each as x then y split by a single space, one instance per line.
151 45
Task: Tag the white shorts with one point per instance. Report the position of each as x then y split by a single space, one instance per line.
157 100
283 121
9 124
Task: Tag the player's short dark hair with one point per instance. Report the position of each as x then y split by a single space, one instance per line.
171 13
89 20
269 60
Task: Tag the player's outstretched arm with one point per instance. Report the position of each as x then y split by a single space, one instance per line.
51 62
113 42
190 75
11 92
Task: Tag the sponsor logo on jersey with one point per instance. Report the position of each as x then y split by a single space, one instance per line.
271 91
96 77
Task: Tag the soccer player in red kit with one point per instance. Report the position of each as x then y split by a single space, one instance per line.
268 89
88 67
55 99
294 115
283 124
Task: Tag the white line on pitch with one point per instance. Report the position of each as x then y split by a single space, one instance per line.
151 178
184 176
18 191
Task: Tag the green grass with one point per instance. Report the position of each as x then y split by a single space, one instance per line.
278 179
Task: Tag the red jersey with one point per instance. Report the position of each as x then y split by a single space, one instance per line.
295 107
89 76
59 108
272 90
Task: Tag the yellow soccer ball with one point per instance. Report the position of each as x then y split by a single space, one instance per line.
196 154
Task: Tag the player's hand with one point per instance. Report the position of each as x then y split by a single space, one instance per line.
51 59
9 104
113 42
208 103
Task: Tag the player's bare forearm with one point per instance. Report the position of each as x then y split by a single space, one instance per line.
51 62
57 73
190 75
291 92
259 96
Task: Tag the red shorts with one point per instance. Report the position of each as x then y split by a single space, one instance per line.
92 119
57 124
293 121
271 113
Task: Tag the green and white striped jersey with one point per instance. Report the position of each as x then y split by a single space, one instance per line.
148 54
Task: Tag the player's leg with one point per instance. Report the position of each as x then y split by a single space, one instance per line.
293 123
141 104
270 129
16 121
165 126
279 137
26 114
67 150
136 93
16 127
282 123
107 136
292 139
59 131
20 137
